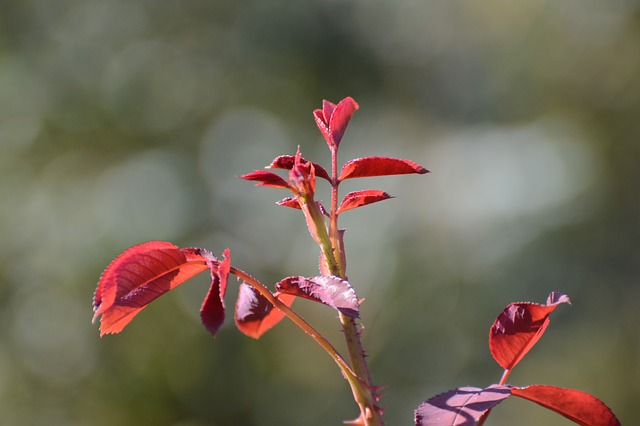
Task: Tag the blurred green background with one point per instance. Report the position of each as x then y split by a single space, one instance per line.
127 121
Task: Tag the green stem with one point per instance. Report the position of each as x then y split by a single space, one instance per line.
361 389
298 320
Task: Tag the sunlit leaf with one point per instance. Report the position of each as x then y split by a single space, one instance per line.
265 178
289 202
579 407
332 120
379 166
519 327
329 290
361 198
138 276
459 407
212 309
254 314
286 162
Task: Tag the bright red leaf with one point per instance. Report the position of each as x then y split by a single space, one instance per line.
265 178
327 289
286 162
332 120
459 407
212 309
519 327
361 198
254 314
138 276
579 407
379 166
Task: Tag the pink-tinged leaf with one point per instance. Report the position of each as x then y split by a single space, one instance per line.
460 407
286 162
138 276
329 290
361 198
519 327
212 309
289 202
255 315
264 178
579 407
332 120
379 166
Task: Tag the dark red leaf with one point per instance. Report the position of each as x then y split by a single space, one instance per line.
264 178
460 407
254 314
379 166
579 407
138 276
286 162
332 120
327 289
519 327
212 309
362 198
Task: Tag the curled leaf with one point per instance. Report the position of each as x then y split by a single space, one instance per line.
287 162
213 309
264 178
579 407
379 166
255 315
362 198
519 327
332 120
289 202
138 276
329 290
460 407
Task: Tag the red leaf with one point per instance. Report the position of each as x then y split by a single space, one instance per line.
212 309
138 276
265 178
362 198
327 289
332 120
519 327
379 166
254 314
286 162
289 202
579 407
459 407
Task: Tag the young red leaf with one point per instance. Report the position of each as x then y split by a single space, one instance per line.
379 166
459 407
362 198
289 202
212 309
138 276
264 178
254 314
332 120
579 407
286 162
519 327
327 289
